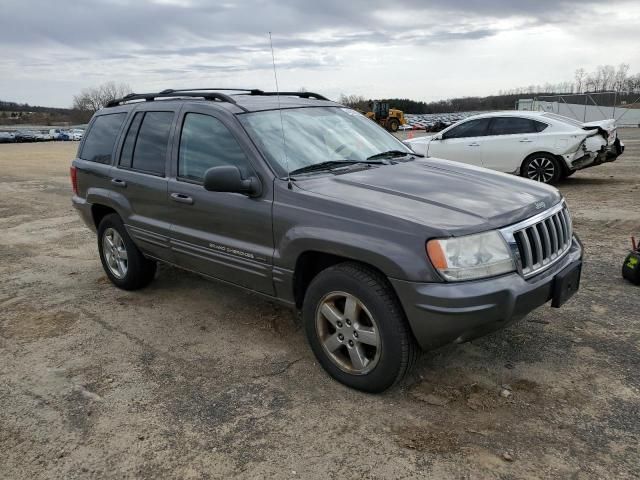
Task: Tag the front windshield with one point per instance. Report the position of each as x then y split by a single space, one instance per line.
317 134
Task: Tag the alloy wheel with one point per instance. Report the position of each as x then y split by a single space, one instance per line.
115 253
541 169
348 333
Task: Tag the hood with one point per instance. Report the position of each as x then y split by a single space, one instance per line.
454 198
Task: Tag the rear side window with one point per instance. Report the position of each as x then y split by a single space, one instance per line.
146 143
513 126
472 128
205 143
98 146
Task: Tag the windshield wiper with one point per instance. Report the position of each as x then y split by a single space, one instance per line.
393 154
331 164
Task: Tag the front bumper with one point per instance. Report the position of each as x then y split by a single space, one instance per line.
441 313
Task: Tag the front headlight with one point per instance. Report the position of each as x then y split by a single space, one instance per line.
471 257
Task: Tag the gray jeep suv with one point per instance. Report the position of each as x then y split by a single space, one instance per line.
309 203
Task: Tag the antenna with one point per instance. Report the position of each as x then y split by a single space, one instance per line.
284 139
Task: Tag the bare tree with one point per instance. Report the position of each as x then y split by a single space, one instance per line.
620 77
94 98
357 102
580 75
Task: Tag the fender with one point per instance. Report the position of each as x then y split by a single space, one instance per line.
403 258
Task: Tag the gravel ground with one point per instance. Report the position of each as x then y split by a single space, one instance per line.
193 379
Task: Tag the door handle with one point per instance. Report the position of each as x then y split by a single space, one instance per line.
474 144
526 140
118 183
182 198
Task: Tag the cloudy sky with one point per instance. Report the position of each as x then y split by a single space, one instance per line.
421 49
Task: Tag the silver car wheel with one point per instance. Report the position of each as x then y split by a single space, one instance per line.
348 333
115 253
541 169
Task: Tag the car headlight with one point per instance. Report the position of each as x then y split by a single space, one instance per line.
471 257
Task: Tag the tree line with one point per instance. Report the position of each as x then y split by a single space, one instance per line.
621 87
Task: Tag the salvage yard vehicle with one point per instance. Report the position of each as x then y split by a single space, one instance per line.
7 137
23 136
541 146
311 204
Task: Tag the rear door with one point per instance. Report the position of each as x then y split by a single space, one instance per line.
224 235
510 141
462 143
139 181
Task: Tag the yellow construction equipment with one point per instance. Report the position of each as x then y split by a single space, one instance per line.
389 118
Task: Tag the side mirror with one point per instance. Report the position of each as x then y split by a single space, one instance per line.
436 137
229 179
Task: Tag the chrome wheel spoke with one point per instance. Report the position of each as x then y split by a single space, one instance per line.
331 313
333 343
357 356
367 335
351 308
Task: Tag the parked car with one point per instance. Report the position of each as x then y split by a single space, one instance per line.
58 134
540 146
7 137
76 134
42 136
383 252
23 136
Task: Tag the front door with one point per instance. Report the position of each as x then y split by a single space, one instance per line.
224 235
462 143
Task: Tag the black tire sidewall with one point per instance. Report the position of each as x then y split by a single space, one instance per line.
138 267
557 174
389 319
394 125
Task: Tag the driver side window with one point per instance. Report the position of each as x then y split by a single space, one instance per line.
205 143
472 128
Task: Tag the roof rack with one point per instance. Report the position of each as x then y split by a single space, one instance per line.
149 97
209 94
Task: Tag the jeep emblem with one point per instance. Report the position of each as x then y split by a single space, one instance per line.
540 205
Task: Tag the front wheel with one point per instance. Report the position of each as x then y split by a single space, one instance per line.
357 329
394 124
542 167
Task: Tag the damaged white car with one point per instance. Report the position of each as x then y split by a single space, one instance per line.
541 146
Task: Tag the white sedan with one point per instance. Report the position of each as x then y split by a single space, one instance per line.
540 146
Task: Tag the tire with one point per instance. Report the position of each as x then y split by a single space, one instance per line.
542 167
394 124
123 262
377 348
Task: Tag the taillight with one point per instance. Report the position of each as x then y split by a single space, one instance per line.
74 179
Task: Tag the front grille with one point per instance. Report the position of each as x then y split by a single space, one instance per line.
541 240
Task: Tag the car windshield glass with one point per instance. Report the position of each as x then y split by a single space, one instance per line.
315 135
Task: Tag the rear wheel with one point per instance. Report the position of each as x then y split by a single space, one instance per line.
542 167
357 329
123 262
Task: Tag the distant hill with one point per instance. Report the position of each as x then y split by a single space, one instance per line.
12 113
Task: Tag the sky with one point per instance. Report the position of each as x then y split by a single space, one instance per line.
420 49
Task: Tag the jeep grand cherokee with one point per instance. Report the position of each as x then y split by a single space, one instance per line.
309 203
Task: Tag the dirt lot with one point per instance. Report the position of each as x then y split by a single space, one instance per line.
193 379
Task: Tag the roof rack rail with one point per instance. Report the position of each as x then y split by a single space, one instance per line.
208 94
149 97
289 94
